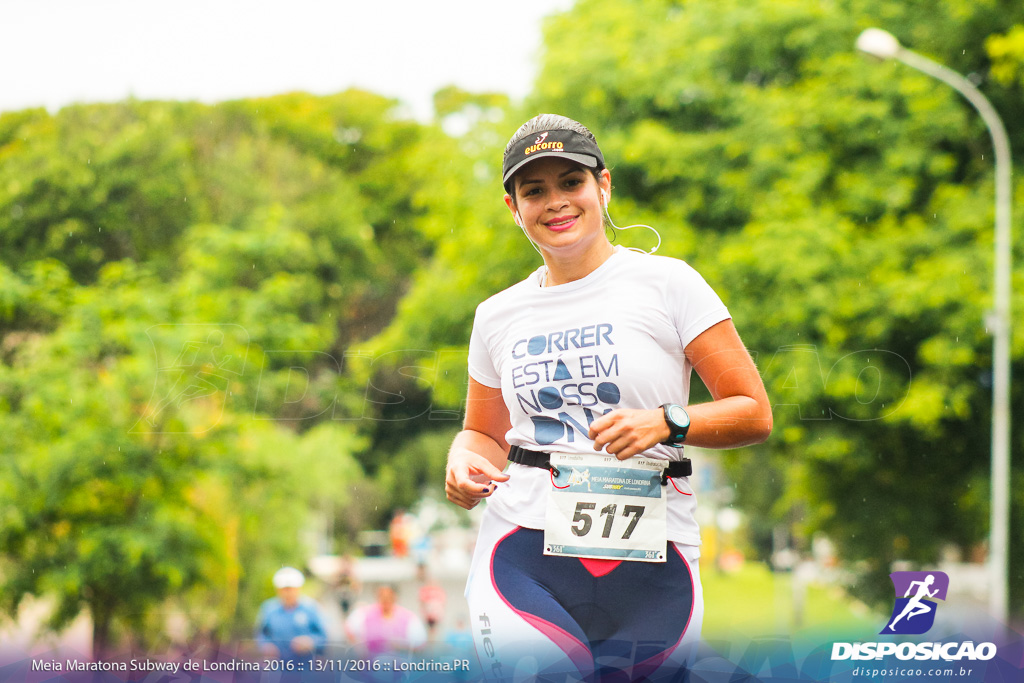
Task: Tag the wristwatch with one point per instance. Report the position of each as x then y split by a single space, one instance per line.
678 423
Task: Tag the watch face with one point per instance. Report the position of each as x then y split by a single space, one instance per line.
679 416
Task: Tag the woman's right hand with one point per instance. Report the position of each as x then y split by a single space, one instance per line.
479 451
470 478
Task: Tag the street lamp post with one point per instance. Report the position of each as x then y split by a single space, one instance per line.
884 45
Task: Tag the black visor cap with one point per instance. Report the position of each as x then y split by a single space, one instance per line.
566 144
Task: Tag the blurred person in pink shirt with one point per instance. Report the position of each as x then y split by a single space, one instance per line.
385 627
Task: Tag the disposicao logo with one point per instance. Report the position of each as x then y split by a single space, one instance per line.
914 614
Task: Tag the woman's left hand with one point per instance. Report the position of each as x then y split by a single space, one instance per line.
626 432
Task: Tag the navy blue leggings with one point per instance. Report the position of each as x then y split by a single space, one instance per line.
625 617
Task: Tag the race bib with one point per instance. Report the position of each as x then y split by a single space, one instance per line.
603 507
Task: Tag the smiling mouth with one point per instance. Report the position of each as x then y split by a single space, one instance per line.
561 222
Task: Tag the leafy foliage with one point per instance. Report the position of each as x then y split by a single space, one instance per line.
180 287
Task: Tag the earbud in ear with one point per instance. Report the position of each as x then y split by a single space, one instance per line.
604 197
518 219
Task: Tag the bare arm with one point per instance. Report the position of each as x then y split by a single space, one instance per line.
479 452
738 414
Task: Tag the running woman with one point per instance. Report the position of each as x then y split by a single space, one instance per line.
585 566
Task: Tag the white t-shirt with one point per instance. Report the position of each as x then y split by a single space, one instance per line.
567 354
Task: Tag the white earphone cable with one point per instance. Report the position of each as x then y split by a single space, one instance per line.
630 227
519 221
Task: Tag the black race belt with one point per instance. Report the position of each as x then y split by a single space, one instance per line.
676 468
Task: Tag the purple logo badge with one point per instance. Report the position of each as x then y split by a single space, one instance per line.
914 612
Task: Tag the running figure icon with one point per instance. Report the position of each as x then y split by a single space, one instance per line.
577 477
916 604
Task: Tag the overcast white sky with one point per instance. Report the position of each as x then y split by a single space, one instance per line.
54 52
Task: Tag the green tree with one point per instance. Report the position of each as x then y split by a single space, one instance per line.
126 491
179 288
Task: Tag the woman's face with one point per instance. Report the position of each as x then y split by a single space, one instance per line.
560 205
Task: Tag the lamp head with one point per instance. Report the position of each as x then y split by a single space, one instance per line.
878 43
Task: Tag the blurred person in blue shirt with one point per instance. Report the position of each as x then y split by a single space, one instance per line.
290 626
